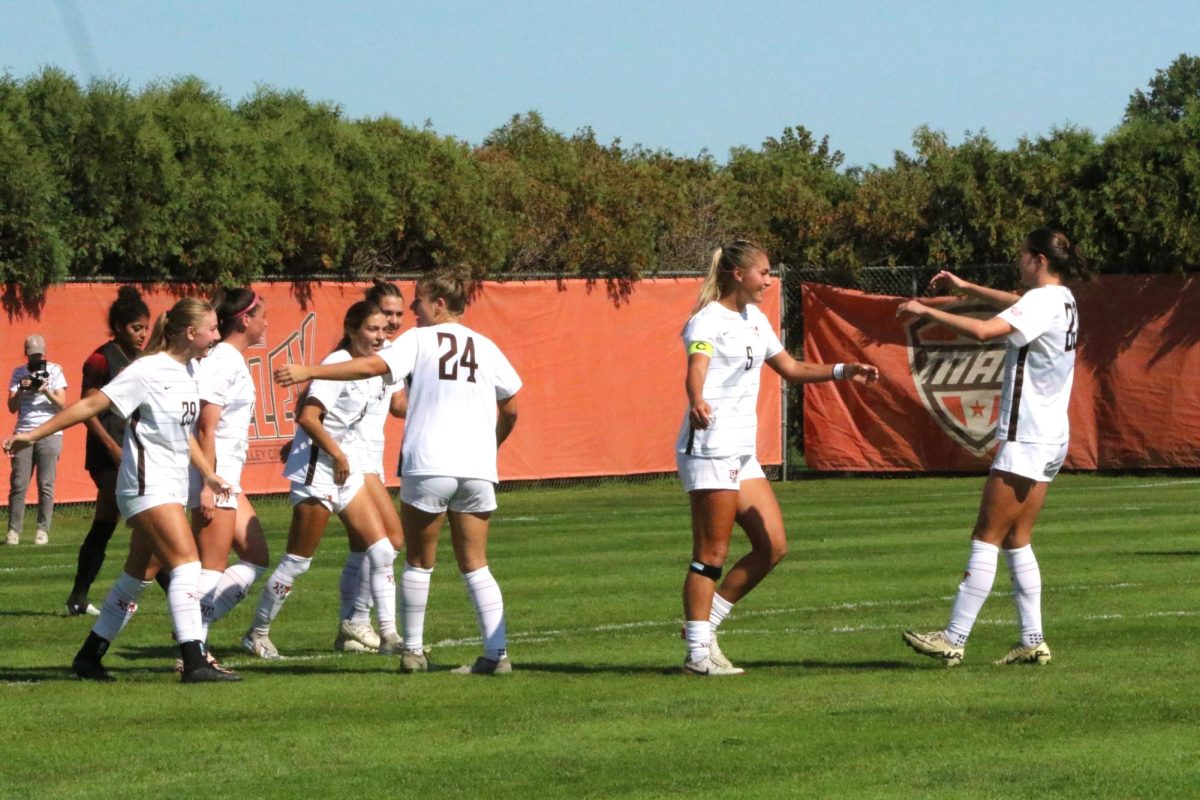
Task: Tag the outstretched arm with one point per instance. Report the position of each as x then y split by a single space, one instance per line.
946 281
981 330
353 370
794 371
73 414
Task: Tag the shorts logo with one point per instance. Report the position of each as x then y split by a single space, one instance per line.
957 379
733 473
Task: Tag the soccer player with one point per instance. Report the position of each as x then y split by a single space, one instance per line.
324 481
728 339
157 395
462 405
355 634
1040 329
227 400
129 324
37 390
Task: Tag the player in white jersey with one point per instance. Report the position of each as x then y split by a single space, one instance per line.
157 396
227 400
727 340
355 633
324 481
1040 329
461 406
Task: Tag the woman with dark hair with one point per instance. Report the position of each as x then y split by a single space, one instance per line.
157 395
227 400
129 324
727 341
324 481
462 406
1040 329
355 634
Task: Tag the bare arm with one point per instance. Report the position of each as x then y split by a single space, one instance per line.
14 401
353 370
56 396
699 411
399 405
204 466
99 431
310 421
206 439
949 282
794 371
981 330
506 418
73 414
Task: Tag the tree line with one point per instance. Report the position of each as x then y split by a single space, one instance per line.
175 183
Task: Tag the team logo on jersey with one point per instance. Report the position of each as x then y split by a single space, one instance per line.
958 379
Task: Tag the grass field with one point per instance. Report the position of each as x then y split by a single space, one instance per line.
833 706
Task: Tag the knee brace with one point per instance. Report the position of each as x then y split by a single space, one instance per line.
707 570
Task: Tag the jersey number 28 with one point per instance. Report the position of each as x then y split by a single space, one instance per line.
449 362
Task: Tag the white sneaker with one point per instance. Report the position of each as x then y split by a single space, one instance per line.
356 637
41 538
718 658
935 645
259 645
707 668
12 538
1033 654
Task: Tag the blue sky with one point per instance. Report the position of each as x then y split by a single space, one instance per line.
680 76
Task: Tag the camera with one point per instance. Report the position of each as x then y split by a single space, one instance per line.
37 379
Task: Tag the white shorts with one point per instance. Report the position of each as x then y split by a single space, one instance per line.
1038 462
132 504
700 473
230 470
367 460
333 497
433 494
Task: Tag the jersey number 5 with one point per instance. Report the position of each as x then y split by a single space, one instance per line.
448 363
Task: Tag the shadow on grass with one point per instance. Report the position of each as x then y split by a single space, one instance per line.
28 612
58 672
1169 553
583 669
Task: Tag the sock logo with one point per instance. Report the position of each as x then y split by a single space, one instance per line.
128 606
281 589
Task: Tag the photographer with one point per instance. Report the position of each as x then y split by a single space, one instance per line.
37 390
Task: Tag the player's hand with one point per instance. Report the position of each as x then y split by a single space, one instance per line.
16 443
948 282
914 307
219 486
291 374
341 468
863 374
208 503
701 415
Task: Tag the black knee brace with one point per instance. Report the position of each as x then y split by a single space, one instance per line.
707 570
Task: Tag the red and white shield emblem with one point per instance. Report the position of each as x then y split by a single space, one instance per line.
958 379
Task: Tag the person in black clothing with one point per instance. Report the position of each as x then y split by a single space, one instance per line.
129 323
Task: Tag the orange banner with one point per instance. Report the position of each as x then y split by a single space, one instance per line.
603 374
1135 403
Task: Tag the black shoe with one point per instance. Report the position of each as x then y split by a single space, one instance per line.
207 673
91 670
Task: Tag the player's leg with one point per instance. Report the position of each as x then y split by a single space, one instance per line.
470 515
421 530
1027 582
95 543
713 515
117 608
250 544
365 531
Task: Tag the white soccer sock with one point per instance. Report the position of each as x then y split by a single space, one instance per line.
235 581
489 611
119 606
414 593
698 634
1027 593
381 556
973 591
204 588
349 584
277 589
720 610
183 600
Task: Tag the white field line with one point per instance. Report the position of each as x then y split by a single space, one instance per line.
40 568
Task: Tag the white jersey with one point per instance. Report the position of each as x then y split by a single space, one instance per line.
158 399
1039 367
35 408
737 345
224 380
345 405
455 378
368 456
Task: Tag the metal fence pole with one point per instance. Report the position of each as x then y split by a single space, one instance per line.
783 385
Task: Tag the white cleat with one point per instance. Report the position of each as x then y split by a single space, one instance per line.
707 668
719 660
259 645
356 637
1033 654
935 645
486 666
41 537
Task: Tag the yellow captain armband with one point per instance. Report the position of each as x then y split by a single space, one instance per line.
701 347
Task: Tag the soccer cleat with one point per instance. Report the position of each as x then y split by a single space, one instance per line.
934 645
12 538
209 657
207 673
486 666
411 662
718 658
78 610
258 644
41 537
707 668
1033 654
390 644
356 637
90 669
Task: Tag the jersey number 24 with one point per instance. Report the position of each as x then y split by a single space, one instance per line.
450 361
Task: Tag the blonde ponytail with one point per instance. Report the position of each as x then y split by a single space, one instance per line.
170 325
725 260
